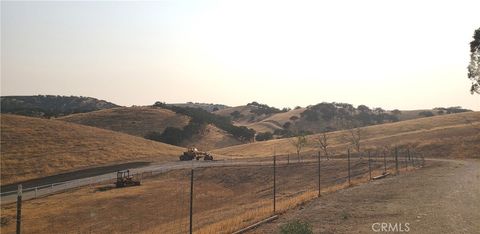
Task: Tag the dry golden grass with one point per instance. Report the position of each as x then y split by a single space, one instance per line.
438 136
137 121
275 121
210 138
262 123
33 148
226 199
264 208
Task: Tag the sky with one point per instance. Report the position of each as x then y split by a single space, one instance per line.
390 54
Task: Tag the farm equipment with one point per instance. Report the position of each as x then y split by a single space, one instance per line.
124 179
194 153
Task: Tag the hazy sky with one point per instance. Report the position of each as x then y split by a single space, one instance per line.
390 54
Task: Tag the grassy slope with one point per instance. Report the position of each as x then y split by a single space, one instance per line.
210 138
139 121
275 121
32 148
136 121
269 123
439 136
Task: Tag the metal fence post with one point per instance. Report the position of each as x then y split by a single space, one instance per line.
413 159
19 209
319 174
369 166
396 161
274 183
406 160
191 201
348 159
384 162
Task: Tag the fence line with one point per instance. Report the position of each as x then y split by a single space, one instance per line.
242 202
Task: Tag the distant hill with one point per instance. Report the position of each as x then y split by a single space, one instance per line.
320 117
34 147
447 136
251 113
210 107
50 105
149 122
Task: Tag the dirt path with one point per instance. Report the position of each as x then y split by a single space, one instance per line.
441 198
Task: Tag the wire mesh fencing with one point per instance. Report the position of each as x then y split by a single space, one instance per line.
220 199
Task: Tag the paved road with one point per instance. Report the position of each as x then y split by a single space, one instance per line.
443 197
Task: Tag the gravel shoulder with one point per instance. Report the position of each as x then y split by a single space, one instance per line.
443 197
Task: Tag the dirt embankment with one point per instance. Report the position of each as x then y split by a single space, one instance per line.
441 198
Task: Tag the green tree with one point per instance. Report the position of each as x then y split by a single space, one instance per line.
474 66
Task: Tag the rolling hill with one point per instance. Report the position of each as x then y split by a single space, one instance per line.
34 147
137 121
140 121
447 136
320 117
51 105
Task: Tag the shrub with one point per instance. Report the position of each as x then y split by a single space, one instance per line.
426 114
296 227
264 136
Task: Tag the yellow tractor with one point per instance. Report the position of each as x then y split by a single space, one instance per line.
194 153
124 179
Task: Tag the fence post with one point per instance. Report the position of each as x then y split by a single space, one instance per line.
384 162
36 189
288 159
274 183
191 201
319 174
396 161
413 159
406 159
19 209
369 166
348 159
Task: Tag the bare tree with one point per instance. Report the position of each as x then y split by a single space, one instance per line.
299 142
356 135
323 142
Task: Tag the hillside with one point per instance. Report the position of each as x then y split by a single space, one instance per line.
33 147
322 117
137 121
143 121
453 135
241 115
276 121
51 105
211 137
